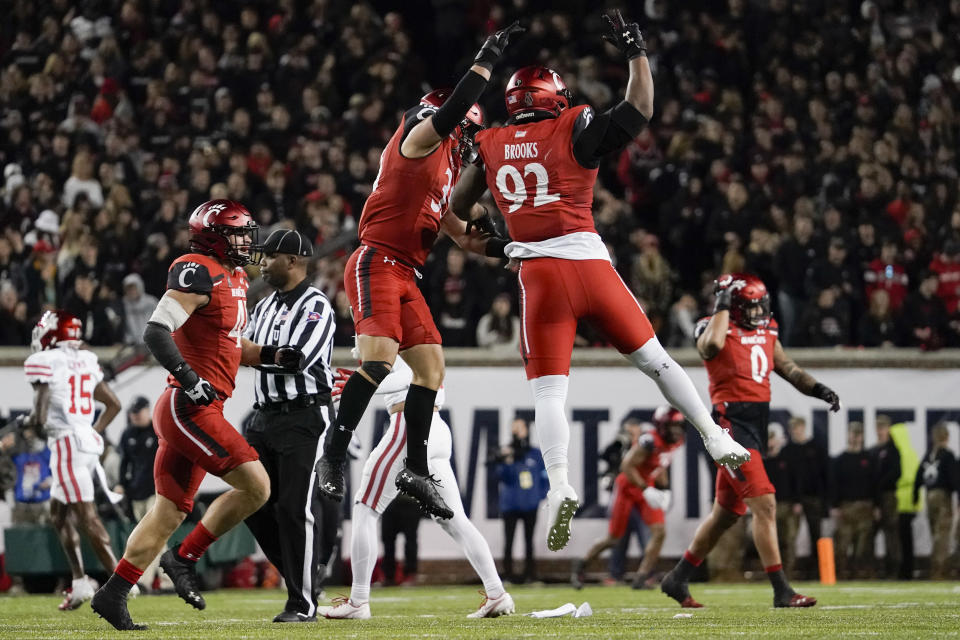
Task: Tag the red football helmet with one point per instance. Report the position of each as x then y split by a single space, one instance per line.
663 418
536 89
469 126
749 300
224 229
55 327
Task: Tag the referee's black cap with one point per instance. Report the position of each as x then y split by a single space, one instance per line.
289 241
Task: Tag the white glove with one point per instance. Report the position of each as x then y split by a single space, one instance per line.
658 498
725 450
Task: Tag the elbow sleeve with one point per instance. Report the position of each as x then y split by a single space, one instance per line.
158 340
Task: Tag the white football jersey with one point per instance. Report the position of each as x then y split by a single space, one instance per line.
72 374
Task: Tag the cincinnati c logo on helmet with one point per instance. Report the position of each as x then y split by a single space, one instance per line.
214 209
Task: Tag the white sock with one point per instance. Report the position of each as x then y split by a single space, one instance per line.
464 532
557 475
549 397
675 385
363 551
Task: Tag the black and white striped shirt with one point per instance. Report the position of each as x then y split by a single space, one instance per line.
300 317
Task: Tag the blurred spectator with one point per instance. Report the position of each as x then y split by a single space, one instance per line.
100 322
13 316
137 308
886 459
523 485
825 323
791 262
907 505
878 327
32 491
138 448
82 181
937 475
886 272
682 322
924 317
853 494
809 462
499 329
784 480
946 265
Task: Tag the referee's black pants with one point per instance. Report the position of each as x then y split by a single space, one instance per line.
295 530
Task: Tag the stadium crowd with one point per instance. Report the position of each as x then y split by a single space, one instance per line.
813 144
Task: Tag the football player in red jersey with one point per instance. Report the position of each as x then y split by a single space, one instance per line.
738 343
398 226
643 485
541 168
196 333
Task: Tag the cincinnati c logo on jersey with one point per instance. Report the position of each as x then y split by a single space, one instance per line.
191 269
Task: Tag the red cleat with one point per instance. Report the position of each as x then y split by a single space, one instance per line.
690 603
797 600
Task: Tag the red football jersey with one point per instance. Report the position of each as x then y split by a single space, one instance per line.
210 339
948 289
659 454
539 186
402 214
741 371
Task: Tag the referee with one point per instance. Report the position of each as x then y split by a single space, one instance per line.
292 410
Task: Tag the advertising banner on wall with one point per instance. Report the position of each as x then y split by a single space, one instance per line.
481 402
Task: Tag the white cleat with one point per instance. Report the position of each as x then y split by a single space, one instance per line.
725 450
494 607
562 504
80 591
344 609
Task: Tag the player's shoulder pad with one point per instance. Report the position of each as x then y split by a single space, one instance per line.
190 276
701 327
773 327
41 358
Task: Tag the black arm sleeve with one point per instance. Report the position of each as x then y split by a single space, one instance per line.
596 136
160 343
454 110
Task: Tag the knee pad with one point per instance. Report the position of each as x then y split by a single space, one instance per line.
376 370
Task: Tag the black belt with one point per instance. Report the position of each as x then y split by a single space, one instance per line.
300 402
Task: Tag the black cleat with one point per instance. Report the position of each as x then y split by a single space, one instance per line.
293 616
184 576
112 607
679 591
578 574
330 478
423 489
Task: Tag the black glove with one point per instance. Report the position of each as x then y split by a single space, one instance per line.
290 358
285 357
625 36
197 389
493 48
722 302
484 224
828 395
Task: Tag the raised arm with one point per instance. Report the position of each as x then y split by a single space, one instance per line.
801 380
612 130
636 456
434 127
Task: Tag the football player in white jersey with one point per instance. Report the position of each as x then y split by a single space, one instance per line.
67 381
378 489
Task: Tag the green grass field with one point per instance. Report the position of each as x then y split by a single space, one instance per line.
858 609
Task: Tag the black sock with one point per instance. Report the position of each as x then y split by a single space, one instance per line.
778 580
117 585
353 402
418 414
684 569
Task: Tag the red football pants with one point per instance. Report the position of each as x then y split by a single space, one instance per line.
555 293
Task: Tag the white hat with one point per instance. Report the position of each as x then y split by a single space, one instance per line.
48 221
